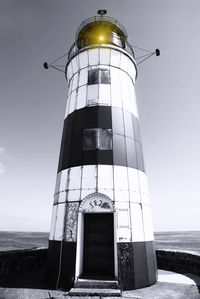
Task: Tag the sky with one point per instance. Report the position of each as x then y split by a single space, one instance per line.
32 104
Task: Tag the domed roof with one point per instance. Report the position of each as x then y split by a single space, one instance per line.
101 30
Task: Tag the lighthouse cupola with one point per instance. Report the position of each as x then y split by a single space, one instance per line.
101 30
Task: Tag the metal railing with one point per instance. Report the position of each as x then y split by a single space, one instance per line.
118 42
101 19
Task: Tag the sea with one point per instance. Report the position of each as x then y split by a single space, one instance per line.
183 240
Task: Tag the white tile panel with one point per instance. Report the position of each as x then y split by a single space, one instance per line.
124 63
120 177
53 222
123 214
83 77
86 192
56 197
123 235
121 195
115 58
72 104
123 222
74 178
133 179
93 56
132 71
67 106
123 78
104 94
73 195
75 82
62 197
69 71
94 67
105 177
73 101
128 125
135 196
69 90
83 59
107 192
116 98
89 176
145 199
123 218
115 75
127 104
137 223
59 222
93 94
124 84
148 227
143 182
105 56
134 109
122 205
75 64
63 180
81 97
129 81
77 61
57 187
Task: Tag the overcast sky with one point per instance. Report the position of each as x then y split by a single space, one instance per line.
33 104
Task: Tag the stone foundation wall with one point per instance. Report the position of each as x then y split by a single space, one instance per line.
177 261
19 261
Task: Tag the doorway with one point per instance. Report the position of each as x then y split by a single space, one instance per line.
98 249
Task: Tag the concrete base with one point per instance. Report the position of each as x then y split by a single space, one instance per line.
169 285
94 292
96 284
101 288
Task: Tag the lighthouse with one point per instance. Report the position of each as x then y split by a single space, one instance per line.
101 227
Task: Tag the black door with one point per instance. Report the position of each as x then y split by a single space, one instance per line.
98 257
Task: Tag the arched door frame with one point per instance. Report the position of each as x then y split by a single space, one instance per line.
93 203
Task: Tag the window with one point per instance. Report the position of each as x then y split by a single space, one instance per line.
99 76
97 139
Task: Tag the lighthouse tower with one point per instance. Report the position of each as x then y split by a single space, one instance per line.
101 222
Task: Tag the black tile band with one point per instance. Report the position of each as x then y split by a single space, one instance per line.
126 146
66 272
137 265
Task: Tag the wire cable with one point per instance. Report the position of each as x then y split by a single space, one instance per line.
56 68
146 58
59 58
142 56
141 49
58 65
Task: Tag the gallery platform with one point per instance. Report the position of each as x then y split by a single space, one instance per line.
170 285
